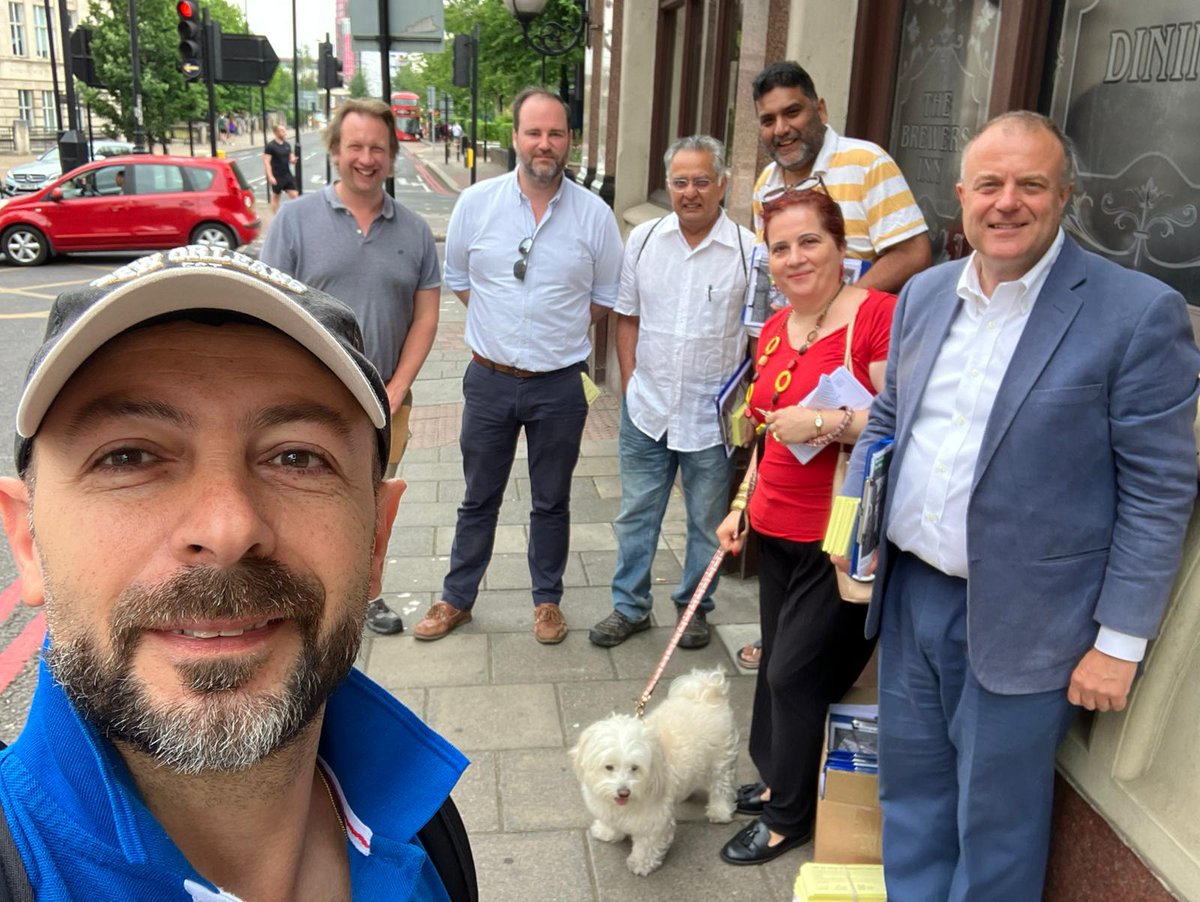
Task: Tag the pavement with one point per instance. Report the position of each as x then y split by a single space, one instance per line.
514 706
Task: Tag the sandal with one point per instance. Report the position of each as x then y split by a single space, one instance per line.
749 656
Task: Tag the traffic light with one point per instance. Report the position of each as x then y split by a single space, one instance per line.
191 43
330 67
462 61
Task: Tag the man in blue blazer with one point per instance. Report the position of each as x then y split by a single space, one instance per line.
1044 470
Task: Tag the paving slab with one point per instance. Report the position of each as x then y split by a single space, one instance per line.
514 716
538 791
477 795
511 571
550 866
510 539
415 573
410 541
459 659
573 660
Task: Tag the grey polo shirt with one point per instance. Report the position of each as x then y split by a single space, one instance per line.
316 239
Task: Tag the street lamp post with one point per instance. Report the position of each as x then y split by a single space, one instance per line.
551 38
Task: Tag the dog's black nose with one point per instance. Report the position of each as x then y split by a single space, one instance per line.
622 793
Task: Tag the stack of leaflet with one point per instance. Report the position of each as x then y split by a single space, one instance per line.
834 390
852 743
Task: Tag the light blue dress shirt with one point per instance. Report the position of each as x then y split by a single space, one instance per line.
539 324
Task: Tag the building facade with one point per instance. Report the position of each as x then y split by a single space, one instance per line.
920 77
26 79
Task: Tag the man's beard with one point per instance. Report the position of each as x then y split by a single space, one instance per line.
543 178
217 728
802 157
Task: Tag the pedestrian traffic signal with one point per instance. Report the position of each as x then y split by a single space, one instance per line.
330 67
191 44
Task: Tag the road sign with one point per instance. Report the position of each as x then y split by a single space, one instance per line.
416 26
246 59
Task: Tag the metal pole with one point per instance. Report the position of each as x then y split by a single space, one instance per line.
72 105
385 68
191 137
262 103
208 82
58 123
89 123
296 102
328 172
135 69
474 98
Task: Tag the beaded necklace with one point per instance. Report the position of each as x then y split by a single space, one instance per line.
784 379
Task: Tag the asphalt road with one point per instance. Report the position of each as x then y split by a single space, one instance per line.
25 298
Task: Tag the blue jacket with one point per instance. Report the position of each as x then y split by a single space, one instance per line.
83 831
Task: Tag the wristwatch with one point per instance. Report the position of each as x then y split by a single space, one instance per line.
819 423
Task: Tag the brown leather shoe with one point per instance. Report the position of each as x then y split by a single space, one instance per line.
439 620
549 625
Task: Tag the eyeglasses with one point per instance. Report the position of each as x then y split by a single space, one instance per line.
521 265
808 184
681 184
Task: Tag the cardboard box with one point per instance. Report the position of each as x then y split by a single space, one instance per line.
840 883
849 821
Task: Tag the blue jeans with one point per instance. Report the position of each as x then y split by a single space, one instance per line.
648 470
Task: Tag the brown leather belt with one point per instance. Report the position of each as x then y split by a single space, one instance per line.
508 370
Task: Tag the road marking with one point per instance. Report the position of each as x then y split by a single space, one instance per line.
47 285
9 598
42 314
18 652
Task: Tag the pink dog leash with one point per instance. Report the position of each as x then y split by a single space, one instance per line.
705 581
684 620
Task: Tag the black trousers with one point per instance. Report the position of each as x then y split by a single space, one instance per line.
812 652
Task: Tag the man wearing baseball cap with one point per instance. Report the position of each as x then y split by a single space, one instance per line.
201 510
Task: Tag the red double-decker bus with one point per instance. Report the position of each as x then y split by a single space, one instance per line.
407 110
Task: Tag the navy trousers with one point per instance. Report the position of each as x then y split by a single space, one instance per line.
966 776
552 410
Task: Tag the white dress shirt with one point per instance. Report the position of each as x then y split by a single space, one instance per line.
690 334
932 489
539 324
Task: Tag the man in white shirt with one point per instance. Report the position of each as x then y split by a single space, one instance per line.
535 258
1042 478
679 337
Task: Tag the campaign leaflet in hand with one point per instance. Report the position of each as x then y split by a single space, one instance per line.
736 429
834 390
870 510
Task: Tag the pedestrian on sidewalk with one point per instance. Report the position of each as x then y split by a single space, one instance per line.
679 338
278 160
529 309
209 522
354 241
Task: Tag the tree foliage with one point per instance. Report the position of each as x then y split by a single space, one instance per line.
358 85
167 98
507 64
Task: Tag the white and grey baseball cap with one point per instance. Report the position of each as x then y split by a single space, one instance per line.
200 281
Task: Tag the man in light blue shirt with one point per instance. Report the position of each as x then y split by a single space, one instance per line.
535 258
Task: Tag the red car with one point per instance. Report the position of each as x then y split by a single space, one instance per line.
135 202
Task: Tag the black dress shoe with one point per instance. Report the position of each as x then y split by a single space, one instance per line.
749 798
750 845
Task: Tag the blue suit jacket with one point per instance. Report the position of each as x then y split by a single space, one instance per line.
1087 471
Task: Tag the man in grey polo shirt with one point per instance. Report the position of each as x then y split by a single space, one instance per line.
355 242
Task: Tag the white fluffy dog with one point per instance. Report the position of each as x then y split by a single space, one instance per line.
634 771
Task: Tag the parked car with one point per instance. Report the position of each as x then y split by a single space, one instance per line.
135 202
29 177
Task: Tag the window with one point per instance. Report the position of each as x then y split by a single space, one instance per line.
154 179
16 27
49 112
41 33
25 105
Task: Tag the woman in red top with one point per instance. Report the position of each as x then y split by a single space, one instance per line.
812 642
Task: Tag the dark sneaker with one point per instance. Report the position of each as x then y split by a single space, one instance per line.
382 619
615 629
697 633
